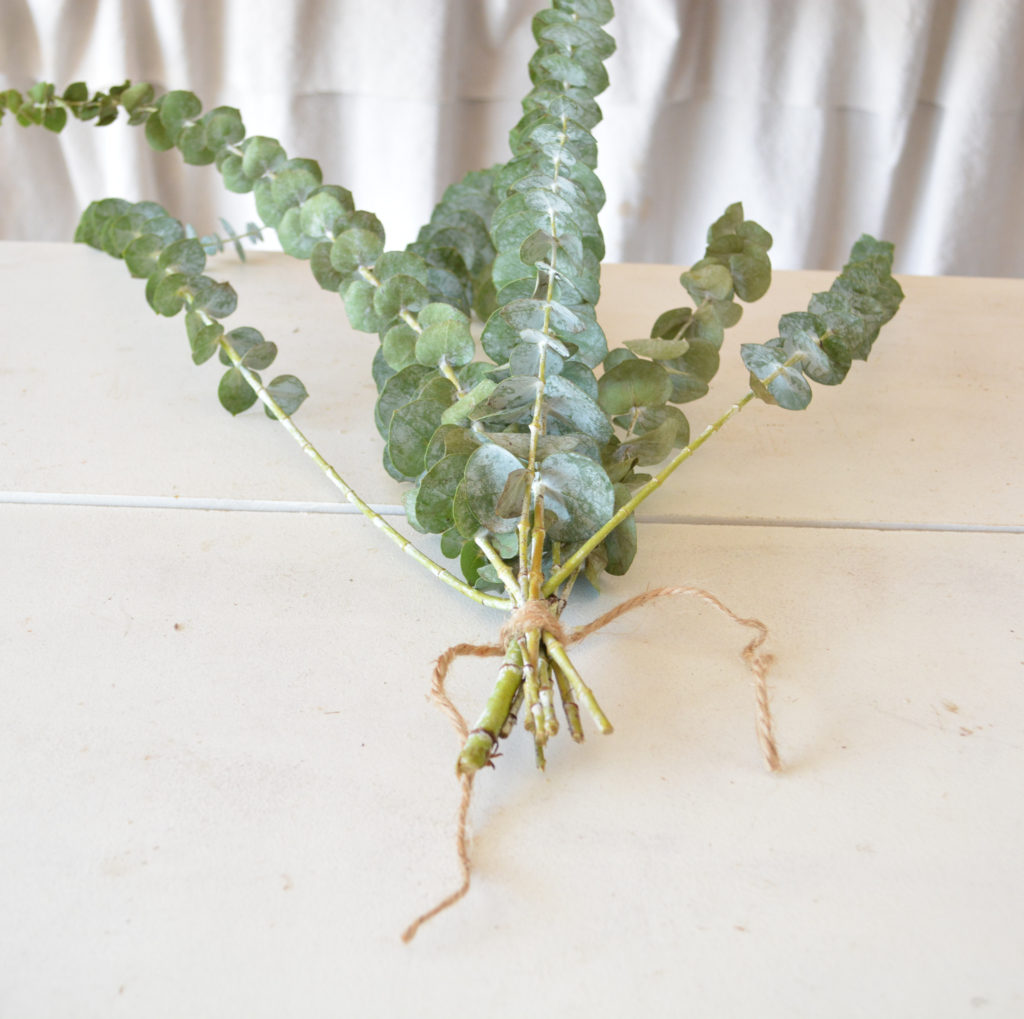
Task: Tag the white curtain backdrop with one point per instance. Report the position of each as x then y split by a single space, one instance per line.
827 118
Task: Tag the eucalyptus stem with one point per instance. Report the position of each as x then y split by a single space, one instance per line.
492 601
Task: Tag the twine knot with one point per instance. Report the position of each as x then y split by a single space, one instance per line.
535 614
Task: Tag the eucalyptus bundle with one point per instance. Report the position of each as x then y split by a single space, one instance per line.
526 443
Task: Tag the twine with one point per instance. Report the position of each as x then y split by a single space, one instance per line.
541 614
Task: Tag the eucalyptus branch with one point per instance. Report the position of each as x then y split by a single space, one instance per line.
524 448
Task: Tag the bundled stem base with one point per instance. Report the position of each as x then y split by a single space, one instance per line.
478 744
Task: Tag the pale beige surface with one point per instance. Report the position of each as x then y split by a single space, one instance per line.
224 791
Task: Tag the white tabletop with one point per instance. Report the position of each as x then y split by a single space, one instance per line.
225 791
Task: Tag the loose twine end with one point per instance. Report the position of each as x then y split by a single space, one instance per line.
539 614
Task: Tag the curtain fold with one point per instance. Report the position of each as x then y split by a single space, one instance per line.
902 118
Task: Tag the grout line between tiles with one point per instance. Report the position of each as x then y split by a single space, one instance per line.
392 510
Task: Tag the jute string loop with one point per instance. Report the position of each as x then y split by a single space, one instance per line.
540 614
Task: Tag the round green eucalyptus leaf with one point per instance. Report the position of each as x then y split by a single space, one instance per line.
222 126
284 189
450 341
412 427
262 155
323 272
450 440
356 248
512 400
509 268
359 307
802 332
579 493
398 294
260 356
487 472
294 240
751 272
242 339
471 561
582 376
184 256
399 389
435 493
96 218
133 97
205 342
708 280
848 328
142 254
157 136
231 168
633 383
498 337
218 300
525 359
176 109
528 313
447 288
651 447
234 392
570 405
787 386
191 142
399 346
288 392
169 293
401 263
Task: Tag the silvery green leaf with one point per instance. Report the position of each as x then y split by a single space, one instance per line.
565 400
708 280
412 427
487 472
579 493
400 388
260 156
399 346
787 388
175 109
651 447
359 306
435 493
289 392
525 359
354 248
801 331
450 341
286 188
399 294
218 300
234 392
633 383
